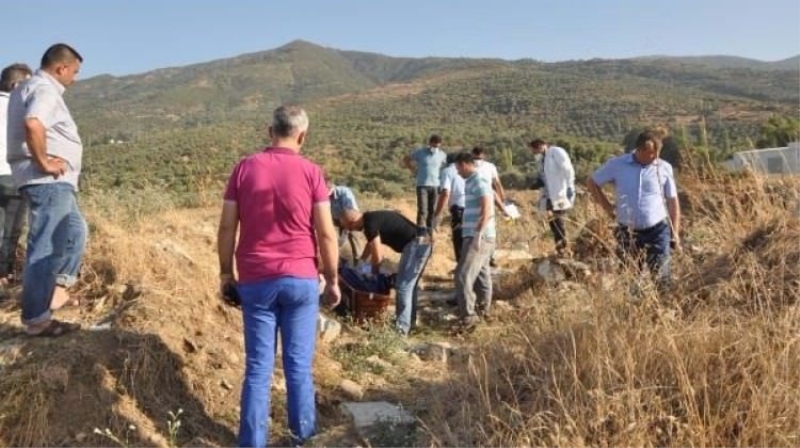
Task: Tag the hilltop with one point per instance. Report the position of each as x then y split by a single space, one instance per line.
184 125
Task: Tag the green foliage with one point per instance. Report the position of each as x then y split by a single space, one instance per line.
183 129
778 131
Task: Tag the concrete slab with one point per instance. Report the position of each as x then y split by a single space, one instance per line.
368 414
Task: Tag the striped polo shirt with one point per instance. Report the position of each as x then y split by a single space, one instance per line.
476 188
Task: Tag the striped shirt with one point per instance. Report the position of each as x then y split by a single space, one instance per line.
475 189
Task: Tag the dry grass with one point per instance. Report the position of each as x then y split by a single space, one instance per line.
582 364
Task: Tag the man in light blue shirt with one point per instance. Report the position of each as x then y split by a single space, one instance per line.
45 153
647 209
425 164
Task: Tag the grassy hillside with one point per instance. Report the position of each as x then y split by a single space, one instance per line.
719 61
186 126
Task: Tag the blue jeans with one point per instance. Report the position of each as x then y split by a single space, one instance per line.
289 305
56 242
412 263
653 243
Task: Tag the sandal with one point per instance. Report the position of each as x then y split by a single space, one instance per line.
56 328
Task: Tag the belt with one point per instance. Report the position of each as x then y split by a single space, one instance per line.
646 229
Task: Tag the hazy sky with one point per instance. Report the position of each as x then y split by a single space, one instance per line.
124 37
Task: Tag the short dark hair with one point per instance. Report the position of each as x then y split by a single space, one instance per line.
60 54
478 151
535 143
13 74
464 157
435 140
649 136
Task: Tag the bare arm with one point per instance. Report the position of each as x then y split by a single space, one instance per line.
498 187
409 164
601 198
375 254
329 251
328 242
498 201
674 209
226 240
444 196
36 138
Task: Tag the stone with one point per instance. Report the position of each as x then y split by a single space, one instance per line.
175 249
502 306
433 351
549 272
328 329
353 390
368 414
576 270
376 361
513 254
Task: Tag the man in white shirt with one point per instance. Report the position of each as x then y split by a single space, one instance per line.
557 177
451 194
12 207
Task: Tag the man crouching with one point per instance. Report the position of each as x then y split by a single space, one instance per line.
390 228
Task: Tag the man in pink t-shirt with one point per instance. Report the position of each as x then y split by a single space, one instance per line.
279 202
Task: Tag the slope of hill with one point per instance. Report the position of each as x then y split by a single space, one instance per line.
722 62
185 123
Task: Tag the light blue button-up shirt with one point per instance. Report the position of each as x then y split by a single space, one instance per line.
454 184
429 163
641 190
41 97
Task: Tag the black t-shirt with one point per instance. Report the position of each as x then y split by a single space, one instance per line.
394 229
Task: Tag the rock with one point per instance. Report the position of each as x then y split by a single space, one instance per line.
513 254
549 272
353 390
328 329
502 306
278 383
433 351
367 415
449 317
225 384
80 437
570 286
575 269
189 345
376 361
174 249
436 296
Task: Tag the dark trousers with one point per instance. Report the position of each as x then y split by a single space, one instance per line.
456 218
12 215
648 247
556 222
426 202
